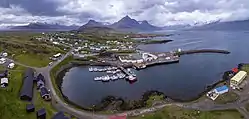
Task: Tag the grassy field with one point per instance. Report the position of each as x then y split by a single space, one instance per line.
245 68
24 49
153 99
11 106
174 112
227 98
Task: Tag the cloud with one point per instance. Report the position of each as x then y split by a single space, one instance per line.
157 12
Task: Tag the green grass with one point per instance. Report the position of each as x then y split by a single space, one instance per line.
11 107
173 112
36 60
153 99
227 98
245 68
28 51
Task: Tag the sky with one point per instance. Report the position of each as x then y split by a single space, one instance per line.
157 12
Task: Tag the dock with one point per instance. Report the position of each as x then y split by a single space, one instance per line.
125 71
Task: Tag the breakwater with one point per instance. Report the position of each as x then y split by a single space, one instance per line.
202 51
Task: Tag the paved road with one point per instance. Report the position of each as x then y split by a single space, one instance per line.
60 105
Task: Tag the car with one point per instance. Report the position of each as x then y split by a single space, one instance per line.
50 63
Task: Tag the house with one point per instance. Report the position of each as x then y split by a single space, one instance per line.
2 60
57 55
5 54
45 93
59 115
27 87
221 90
11 65
4 82
4 74
237 79
41 114
30 108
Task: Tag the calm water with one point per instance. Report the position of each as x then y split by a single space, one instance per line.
184 80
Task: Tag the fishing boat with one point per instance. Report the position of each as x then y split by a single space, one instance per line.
90 69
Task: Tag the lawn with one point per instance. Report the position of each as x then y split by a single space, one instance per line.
245 67
11 106
174 112
227 98
36 60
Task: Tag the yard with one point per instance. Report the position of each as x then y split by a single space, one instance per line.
11 106
227 98
174 112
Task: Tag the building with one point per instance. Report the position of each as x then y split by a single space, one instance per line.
57 55
27 87
4 82
5 54
41 114
4 74
45 93
238 78
11 65
30 108
221 90
2 60
59 115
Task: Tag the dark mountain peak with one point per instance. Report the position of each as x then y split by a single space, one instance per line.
127 17
145 22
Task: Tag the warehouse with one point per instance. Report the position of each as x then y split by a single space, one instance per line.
237 79
27 88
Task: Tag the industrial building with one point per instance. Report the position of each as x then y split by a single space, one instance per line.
27 88
237 79
213 94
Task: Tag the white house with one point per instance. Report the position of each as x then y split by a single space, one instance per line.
4 82
2 60
11 65
5 54
56 43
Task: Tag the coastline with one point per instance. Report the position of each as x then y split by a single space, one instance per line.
108 100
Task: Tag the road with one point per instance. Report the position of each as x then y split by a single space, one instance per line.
60 105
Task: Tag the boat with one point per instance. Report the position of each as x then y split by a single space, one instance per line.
97 79
109 72
106 78
132 78
90 69
95 69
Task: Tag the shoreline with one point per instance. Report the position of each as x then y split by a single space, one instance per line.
108 100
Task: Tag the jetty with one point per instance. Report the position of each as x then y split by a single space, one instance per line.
203 51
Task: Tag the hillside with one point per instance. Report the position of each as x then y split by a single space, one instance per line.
44 26
233 25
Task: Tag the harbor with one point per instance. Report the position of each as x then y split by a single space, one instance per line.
114 73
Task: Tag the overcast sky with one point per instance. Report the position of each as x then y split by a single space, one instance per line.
157 12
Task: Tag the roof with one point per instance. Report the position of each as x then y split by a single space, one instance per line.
4 74
59 115
44 91
57 55
27 87
40 77
239 76
4 80
41 112
30 106
222 88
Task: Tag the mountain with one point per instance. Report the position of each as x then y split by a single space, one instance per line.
91 23
124 24
44 26
232 25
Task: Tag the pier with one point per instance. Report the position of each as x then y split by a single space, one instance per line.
203 51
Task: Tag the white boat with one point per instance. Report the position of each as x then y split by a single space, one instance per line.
109 72
95 69
90 69
97 79
132 78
